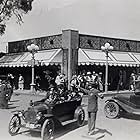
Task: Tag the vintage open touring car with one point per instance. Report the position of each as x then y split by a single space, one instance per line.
42 116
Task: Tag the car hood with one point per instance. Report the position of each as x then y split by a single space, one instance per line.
122 97
40 108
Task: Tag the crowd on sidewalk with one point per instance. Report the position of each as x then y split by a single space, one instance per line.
60 81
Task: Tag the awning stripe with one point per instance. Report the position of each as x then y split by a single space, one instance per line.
116 58
44 57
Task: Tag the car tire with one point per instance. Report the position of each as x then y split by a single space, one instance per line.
111 110
47 129
14 125
80 116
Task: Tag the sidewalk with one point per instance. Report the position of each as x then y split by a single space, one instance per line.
29 92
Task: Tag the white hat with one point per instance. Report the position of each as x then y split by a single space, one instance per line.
88 73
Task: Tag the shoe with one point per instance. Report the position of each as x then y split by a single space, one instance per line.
91 133
51 138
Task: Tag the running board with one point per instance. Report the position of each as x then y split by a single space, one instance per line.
68 122
137 113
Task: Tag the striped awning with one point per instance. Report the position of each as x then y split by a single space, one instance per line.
116 58
44 57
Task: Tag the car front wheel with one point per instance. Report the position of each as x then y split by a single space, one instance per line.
80 116
14 125
47 129
111 110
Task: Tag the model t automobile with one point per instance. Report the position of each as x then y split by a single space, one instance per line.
43 116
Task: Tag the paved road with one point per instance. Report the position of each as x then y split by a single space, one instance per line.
114 129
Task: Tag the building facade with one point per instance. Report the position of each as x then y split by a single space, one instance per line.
72 53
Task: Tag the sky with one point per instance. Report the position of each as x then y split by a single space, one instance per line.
111 18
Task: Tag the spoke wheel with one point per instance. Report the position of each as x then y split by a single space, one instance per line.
111 110
14 125
80 116
47 129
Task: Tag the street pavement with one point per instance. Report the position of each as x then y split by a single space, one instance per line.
124 128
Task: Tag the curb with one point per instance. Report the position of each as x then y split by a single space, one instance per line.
28 92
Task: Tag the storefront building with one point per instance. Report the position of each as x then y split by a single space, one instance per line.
72 53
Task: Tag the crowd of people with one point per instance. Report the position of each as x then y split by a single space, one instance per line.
60 81
9 78
85 80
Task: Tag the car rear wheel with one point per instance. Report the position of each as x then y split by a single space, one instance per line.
47 129
14 125
80 116
111 110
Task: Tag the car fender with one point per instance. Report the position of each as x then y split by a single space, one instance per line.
17 112
77 111
111 100
48 115
121 104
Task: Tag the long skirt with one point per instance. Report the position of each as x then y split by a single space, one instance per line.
20 86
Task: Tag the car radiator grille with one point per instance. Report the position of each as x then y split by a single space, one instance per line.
30 116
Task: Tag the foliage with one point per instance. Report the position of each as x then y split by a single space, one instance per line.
8 8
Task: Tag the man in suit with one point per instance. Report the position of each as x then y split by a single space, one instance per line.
92 109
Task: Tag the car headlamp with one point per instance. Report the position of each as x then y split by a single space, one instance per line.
38 116
6 95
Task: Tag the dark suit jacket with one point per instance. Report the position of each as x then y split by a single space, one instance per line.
92 99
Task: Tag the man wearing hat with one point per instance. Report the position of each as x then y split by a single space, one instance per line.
88 76
51 95
92 109
100 82
88 79
74 81
59 80
93 76
137 84
132 81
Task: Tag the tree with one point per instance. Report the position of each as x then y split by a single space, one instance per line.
8 8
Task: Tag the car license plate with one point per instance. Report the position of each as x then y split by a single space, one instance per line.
28 125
